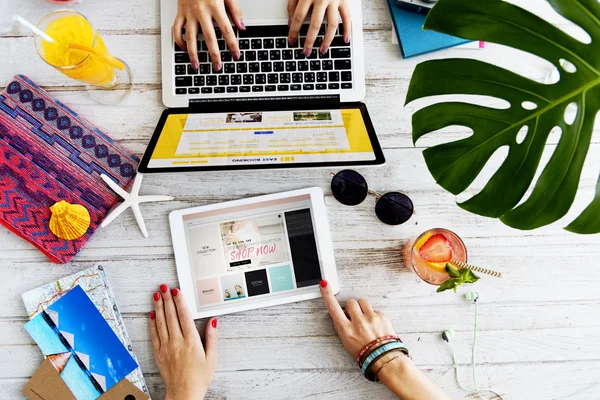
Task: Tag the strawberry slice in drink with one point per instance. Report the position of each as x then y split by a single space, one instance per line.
437 249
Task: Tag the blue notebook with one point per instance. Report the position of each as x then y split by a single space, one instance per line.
412 38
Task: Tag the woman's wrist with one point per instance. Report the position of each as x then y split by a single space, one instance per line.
393 368
184 395
402 377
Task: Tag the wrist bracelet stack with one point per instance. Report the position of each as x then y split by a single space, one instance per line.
376 350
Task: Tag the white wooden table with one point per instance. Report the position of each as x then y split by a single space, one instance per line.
539 329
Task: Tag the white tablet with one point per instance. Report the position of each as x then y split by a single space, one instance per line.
255 252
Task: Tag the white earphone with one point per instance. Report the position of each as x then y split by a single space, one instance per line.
449 333
472 296
446 335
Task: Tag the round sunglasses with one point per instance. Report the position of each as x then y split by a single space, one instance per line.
350 188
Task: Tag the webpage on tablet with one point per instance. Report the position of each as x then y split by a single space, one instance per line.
251 251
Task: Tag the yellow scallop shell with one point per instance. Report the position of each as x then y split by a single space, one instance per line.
69 221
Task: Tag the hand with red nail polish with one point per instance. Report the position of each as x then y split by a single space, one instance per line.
198 16
357 325
328 10
185 365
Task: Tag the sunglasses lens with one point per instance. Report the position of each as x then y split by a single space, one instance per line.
394 208
349 187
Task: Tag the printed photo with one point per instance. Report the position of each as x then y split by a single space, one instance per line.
312 116
88 354
254 242
233 287
235 118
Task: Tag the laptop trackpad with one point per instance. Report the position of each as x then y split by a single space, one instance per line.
264 11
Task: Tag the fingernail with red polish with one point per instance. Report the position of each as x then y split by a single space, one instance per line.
323 283
347 39
217 67
324 50
174 291
292 41
242 25
307 52
152 315
163 288
214 323
236 55
196 65
156 296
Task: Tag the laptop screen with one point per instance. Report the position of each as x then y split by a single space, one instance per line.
270 139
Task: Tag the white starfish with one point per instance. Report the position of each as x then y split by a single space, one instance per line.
132 199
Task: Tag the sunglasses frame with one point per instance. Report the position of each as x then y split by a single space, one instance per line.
377 195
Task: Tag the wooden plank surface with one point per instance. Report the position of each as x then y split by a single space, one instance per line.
539 328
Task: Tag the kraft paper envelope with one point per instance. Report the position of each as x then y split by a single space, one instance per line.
47 384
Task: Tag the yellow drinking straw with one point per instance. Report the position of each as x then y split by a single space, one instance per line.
113 62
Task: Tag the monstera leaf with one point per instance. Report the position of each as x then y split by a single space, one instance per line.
534 107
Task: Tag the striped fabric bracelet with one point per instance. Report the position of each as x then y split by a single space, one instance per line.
374 342
362 360
379 351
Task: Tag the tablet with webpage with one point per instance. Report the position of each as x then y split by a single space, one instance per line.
185 140
253 253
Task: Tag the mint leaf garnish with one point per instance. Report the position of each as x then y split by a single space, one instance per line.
457 278
452 271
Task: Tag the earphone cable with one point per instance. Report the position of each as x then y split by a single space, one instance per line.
473 366
456 370
473 363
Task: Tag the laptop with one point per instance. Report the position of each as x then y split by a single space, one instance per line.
268 66
275 108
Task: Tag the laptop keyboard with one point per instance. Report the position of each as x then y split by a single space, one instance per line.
267 64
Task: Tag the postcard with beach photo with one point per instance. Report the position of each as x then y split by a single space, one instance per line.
81 345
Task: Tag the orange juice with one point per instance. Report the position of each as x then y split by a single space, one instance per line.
68 27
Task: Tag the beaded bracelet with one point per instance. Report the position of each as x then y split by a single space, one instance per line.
374 342
372 376
376 346
378 352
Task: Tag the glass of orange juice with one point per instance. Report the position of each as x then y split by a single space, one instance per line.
430 252
79 52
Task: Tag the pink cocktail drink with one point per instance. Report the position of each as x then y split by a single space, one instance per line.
431 251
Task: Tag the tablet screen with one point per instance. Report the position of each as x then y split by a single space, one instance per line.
270 139
251 251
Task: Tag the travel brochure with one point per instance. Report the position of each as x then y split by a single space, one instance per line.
90 295
88 355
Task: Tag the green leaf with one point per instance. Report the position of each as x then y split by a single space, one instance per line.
455 165
449 284
452 271
469 276
457 278
589 220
